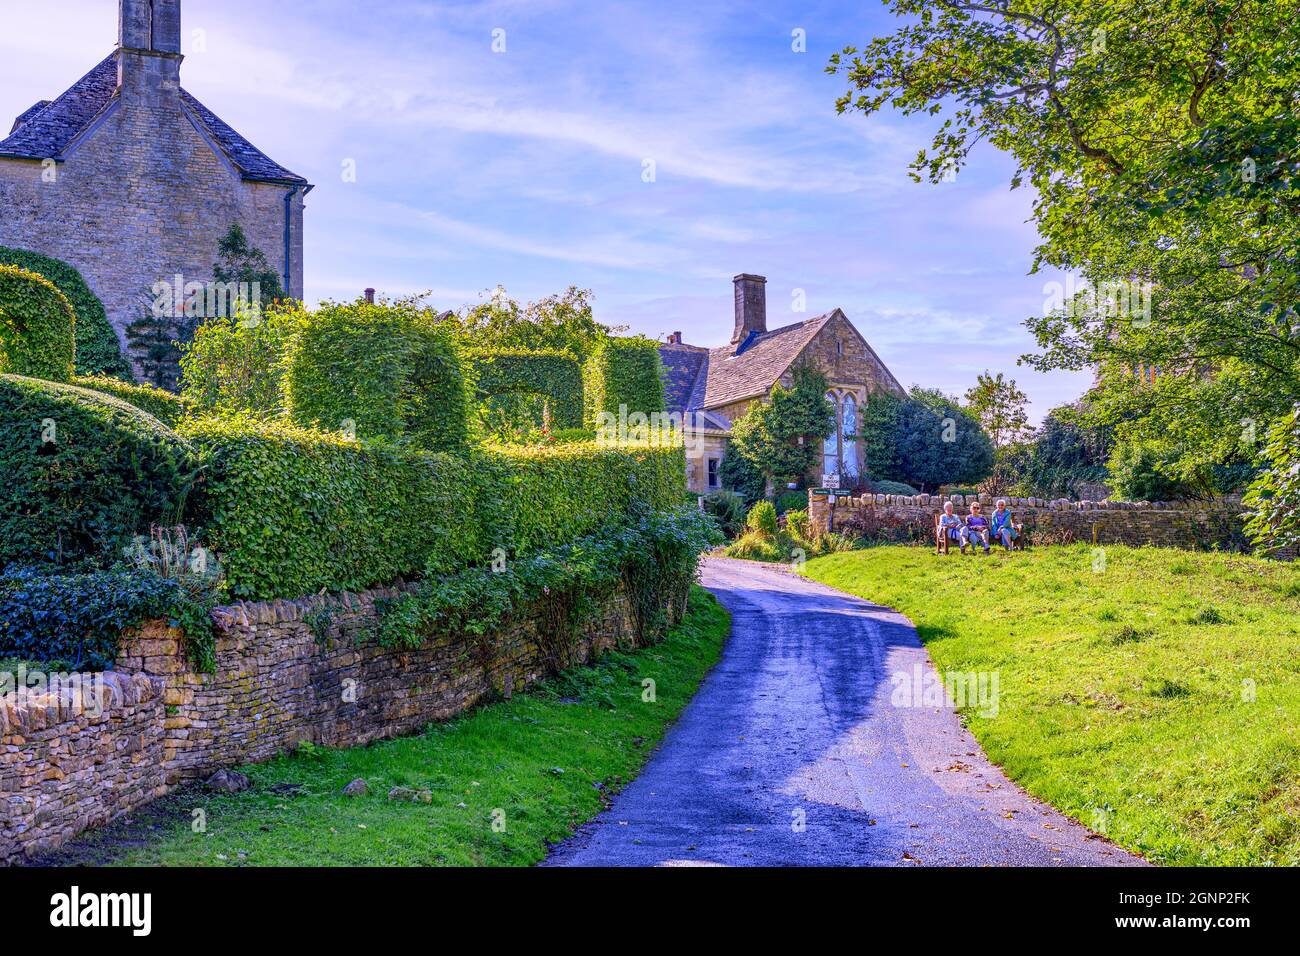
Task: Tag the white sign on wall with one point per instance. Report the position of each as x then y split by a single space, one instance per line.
830 481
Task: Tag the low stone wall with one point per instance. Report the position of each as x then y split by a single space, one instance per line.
286 672
1179 524
77 758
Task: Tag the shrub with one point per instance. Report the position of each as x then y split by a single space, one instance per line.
728 509
237 364
389 369
1274 498
657 558
740 476
77 619
796 523
167 408
1139 473
892 488
553 494
37 327
791 501
98 350
624 373
553 375
753 546
292 511
782 437
762 519
83 473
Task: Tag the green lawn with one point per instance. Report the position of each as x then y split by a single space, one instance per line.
1155 694
545 760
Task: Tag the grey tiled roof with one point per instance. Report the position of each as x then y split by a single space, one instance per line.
682 368
737 373
45 131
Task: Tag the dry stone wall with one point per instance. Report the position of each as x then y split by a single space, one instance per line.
286 672
1190 525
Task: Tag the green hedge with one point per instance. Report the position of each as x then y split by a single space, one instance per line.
624 372
236 364
554 494
83 473
291 511
389 370
553 374
37 326
163 405
98 349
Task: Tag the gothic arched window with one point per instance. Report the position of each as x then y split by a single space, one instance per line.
831 447
848 436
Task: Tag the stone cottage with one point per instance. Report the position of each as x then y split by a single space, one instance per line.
714 387
133 181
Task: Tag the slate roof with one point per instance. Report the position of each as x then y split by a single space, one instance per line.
751 368
47 129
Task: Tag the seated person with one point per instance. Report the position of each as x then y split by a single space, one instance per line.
1003 526
977 528
950 526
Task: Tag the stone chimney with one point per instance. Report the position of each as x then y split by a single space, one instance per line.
149 45
675 338
751 306
370 297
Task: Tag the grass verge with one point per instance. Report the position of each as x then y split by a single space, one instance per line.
1152 694
505 780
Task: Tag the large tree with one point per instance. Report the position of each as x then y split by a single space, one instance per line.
1161 137
782 438
1000 407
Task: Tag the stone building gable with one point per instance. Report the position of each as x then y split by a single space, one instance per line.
839 352
133 181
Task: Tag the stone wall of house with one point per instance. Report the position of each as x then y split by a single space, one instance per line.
77 758
286 672
141 198
1177 524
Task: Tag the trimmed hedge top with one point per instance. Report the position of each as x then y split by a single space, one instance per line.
625 372
37 326
83 473
388 372
161 404
554 374
98 349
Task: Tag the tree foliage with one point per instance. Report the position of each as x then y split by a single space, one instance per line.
937 443
1000 407
1274 498
1160 140
1067 449
239 261
782 438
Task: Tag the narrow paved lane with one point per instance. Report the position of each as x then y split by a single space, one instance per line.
793 754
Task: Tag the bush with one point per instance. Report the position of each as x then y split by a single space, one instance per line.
167 408
892 488
553 494
657 558
389 370
77 619
98 350
292 511
762 519
553 375
83 473
728 509
1274 498
627 374
739 476
236 365
1138 473
753 546
37 327
791 501
796 523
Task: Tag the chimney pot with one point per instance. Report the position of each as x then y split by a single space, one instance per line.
370 296
751 306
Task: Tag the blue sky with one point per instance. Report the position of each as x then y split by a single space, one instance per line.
524 168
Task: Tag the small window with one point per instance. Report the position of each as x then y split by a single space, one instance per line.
713 473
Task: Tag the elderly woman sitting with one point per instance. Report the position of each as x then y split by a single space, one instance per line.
948 528
1004 526
976 530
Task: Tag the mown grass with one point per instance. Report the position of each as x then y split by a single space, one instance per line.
537 765
1154 694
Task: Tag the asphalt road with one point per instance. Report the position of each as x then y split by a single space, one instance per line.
798 751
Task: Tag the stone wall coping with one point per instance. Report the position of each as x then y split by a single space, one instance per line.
1228 503
101 693
281 610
